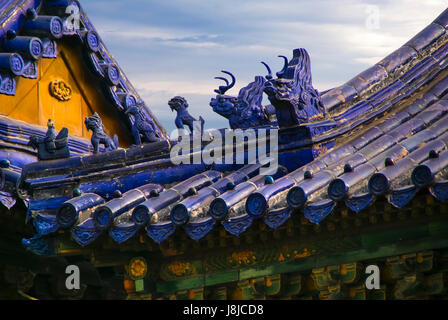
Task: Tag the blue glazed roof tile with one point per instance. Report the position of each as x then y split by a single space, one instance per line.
400 197
424 174
12 16
398 58
393 122
426 37
441 88
368 78
337 154
237 225
369 135
442 19
318 211
439 54
159 232
418 70
337 96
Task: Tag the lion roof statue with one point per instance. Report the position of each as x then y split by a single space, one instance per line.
99 135
180 105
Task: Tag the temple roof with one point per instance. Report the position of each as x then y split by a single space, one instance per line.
31 29
393 143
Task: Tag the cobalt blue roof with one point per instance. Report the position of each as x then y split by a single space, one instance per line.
394 142
15 153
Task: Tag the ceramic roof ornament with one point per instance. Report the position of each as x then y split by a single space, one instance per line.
183 117
292 93
245 110
99 135
142 128
52 146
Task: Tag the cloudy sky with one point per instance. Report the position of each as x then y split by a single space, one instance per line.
177 47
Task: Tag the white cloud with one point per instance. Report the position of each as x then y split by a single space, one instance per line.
183 44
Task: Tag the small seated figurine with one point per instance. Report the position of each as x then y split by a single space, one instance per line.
52 146
183 118
99 135
141 127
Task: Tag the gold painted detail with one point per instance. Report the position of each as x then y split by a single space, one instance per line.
180 268
138 268
196 294
305 253
256 257
60 90
320 149
332 275
243 257
286 254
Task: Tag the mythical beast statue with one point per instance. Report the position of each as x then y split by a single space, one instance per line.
141 126
99 135
292 93
244 111
183 117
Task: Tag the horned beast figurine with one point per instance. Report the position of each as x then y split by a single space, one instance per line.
141 127
180 105
99 135
244 111
292 93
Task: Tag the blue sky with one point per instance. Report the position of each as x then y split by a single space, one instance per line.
177 47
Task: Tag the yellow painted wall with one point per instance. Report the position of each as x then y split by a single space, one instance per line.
33 102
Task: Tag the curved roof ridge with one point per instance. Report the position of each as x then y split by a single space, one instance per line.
371 80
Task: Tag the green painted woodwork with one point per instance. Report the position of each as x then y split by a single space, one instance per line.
272 285
172 286
358 292
221 277
196 294
248 268
244 290
332 293
182 295
139 285
397 267
292 284
408 287
435 283
377 294
349 272
218 293
259 285
418 285
332 276
394 235
398 246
